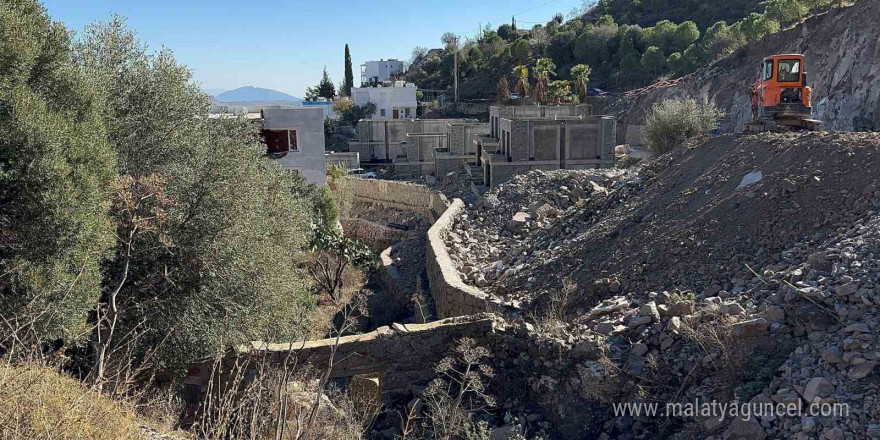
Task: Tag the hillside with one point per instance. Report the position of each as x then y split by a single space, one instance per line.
702 286
843 67
255 94
625 45
704 13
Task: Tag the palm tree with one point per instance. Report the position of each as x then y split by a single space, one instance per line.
522 82
544 69
580 74
560 91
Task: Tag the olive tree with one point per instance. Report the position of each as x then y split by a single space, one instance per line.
56 176
222 268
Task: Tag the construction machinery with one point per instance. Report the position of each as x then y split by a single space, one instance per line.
781 99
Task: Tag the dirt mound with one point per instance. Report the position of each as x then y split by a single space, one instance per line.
696 227
743 268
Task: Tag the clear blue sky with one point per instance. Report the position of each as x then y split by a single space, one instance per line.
283 45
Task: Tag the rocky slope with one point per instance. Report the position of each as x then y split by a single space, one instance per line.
742 268
842 48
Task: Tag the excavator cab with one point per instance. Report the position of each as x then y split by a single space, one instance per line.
781 99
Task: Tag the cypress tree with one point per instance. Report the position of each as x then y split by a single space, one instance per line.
349 76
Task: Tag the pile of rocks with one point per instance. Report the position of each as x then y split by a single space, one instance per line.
701 287
520 220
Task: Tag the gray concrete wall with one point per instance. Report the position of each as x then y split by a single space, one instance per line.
309 124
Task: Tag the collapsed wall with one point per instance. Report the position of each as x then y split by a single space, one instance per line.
842 50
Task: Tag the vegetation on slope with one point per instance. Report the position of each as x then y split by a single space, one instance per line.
130 221
38 402
625 44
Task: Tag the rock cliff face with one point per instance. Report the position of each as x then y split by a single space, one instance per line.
842 48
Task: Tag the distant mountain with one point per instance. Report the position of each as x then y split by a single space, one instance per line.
213 92
255 94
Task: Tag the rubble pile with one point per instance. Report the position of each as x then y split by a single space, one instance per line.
743 268
521 220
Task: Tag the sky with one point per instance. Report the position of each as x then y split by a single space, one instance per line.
284 45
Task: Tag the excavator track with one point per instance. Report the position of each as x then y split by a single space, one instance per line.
784 125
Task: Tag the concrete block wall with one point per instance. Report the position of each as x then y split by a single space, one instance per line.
452 297
607 137
445 163
457 138
519 140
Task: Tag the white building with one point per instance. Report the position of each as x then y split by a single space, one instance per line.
395 101
377 72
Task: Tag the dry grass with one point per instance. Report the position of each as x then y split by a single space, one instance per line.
353 280
38 402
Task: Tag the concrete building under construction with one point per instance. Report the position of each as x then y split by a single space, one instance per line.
525 138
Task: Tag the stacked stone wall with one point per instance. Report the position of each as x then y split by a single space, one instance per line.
452 297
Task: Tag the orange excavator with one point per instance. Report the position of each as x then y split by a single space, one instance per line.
781 99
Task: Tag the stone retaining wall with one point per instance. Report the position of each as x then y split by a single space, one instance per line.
562 380
452 297
402 354
399 195
376 235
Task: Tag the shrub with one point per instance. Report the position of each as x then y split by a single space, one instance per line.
334 253
38 402
674 121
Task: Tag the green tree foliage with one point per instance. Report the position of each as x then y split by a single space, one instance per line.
324 89
685 34
721 40
614 44
786 11
631 66
704 14
519 51
348 81
56 176
580 74
694 56
755 26
661 35
335 253
673 121
560 91
327 209
675 63
222 272
544 70
506 32
350 114
653 60
521 73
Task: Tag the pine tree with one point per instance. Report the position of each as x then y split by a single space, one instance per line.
349 76
326 88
